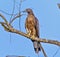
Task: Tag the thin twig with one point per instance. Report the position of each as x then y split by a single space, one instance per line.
45 55
6 12
12 10
17 16
3 18
20 4
56 52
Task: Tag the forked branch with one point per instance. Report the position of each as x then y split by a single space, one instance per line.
9 28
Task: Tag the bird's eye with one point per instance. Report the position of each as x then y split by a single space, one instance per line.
28 12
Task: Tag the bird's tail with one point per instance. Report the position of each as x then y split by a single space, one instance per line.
36 46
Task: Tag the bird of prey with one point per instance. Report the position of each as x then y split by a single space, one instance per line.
32 28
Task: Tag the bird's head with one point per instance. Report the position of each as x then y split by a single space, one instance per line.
28 10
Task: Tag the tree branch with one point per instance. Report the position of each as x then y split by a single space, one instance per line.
13 30
17 16
7 26
45 55
3 18
37 39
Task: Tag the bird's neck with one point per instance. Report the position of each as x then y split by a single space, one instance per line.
30 14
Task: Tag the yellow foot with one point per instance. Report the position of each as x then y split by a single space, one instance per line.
33 37
29 33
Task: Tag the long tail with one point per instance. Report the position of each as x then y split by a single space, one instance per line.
36 46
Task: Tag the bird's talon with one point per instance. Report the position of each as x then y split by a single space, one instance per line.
33 37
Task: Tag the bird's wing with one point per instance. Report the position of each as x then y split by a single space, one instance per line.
37 27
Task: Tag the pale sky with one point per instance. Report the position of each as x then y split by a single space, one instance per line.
48 15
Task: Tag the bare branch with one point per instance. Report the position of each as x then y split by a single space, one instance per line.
3 18
17 16
7 29
7 13
37 39
45 55
13 10
11 29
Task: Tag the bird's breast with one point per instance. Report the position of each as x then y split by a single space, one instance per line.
30 21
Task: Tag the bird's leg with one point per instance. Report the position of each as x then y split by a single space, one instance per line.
33 36
28 32
33 33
